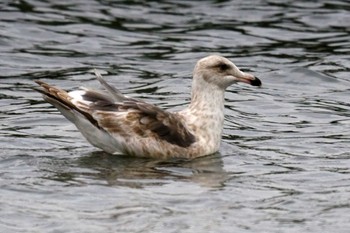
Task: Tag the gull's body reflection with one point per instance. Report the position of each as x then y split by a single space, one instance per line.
206 171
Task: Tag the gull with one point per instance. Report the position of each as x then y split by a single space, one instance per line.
118 124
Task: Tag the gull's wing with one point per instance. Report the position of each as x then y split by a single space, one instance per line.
114 92
124 118
143 120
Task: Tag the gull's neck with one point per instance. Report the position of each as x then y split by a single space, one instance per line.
205 114
207 102
206 99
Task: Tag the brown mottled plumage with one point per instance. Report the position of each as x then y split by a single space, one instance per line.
122 125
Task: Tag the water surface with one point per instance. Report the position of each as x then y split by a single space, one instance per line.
284 163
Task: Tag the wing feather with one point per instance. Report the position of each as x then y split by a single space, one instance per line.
146 120
114 92
61 99
126 118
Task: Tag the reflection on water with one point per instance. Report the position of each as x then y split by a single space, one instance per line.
124 171
284 162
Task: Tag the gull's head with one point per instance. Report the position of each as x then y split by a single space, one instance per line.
220 71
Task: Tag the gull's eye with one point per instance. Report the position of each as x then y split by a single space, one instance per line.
223 67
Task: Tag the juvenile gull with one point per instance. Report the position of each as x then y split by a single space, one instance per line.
121 125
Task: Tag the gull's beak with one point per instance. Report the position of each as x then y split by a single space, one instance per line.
250 79
255 82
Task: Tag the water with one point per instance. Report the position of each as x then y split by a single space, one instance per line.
284 163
